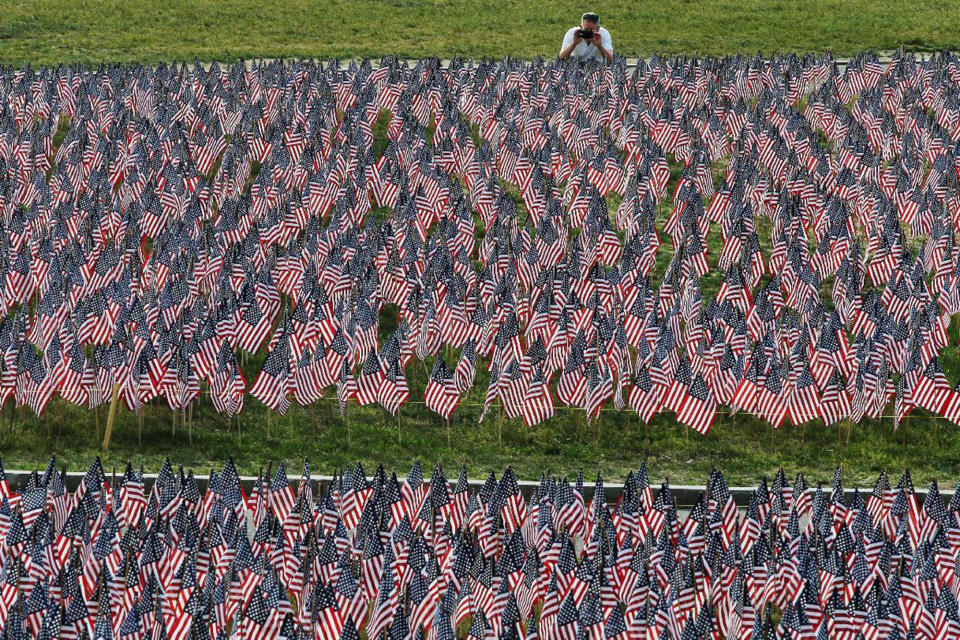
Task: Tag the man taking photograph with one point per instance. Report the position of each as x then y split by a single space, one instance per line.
589 41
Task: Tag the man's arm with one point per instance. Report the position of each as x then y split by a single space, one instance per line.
570 42
604 43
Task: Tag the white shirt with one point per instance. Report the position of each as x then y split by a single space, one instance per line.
587 51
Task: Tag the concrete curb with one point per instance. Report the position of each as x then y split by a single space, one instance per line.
685 495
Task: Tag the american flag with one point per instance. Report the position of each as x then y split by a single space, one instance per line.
166 219
441 393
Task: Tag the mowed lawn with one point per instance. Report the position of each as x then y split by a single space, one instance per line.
92 31
742 447
44 32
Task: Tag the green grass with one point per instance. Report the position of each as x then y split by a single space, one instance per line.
744 448
92 31
45 32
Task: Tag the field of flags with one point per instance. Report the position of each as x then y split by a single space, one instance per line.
360 557
160 223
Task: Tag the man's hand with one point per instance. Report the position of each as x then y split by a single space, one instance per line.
598 42
566 51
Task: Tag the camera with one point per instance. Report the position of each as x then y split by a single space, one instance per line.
586 34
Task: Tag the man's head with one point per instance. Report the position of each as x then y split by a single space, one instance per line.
589 21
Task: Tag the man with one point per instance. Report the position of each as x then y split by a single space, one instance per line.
598 47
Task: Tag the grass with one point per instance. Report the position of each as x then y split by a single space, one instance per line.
743 447
93 31
46 32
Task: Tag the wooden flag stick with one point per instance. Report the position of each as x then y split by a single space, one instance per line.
500 429
111 416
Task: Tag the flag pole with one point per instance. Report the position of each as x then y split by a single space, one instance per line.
111 416
646 426
500 429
